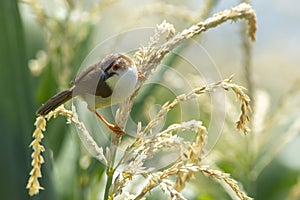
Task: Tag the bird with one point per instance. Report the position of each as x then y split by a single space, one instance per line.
106 83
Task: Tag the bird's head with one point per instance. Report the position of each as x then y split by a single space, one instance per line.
121 76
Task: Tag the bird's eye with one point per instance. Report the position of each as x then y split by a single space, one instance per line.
116 67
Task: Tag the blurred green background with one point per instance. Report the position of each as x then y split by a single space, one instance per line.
266 162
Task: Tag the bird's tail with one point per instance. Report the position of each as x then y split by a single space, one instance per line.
55 101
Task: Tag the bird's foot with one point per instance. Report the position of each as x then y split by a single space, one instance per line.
116 129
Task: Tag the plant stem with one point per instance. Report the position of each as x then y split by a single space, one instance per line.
115 140
110 174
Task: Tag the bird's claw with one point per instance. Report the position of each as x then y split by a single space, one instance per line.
116 129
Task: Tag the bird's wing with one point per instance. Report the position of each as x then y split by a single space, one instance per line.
91 81
82 74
